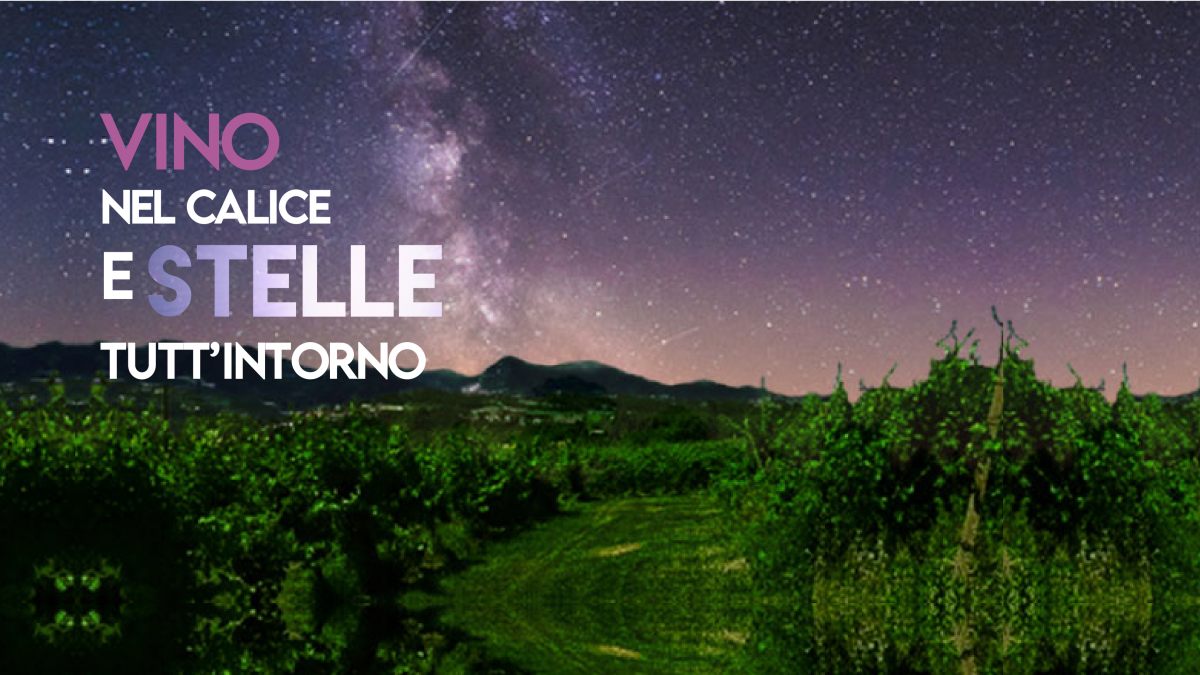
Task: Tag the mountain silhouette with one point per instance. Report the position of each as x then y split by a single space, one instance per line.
509 376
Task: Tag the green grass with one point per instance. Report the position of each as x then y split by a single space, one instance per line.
623 587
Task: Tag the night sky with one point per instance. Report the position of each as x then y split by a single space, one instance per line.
682 191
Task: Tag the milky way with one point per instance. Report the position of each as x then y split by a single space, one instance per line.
683 191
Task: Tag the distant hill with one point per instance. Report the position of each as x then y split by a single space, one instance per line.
509 375
1182 398
21 364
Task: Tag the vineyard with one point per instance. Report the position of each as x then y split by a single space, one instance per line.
978 521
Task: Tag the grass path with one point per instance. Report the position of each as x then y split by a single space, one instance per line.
632 586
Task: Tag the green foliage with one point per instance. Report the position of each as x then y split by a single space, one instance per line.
129 542
1066 471
229 533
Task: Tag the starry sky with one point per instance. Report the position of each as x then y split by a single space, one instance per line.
684 191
